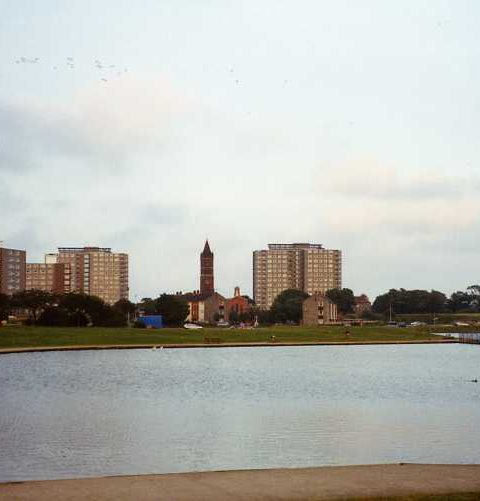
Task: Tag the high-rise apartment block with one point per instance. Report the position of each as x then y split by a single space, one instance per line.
12 270
48 277
91 270
306 267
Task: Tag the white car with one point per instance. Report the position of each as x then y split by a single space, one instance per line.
192 326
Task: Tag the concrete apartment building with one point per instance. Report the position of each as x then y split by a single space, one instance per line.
48 277
307 267
91 270
12 270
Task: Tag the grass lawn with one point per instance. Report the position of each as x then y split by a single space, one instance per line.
22 336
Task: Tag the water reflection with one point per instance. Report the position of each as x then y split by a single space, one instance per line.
75 414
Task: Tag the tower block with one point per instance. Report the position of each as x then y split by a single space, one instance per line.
206 271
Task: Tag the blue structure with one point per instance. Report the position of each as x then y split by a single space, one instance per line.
152 321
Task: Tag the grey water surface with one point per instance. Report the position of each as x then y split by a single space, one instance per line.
93 413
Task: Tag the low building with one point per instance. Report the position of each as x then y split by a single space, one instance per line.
238 304
205 308
12 270
318 309
362 304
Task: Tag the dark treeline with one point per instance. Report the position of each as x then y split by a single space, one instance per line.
287 306
74 309
402 301
65 310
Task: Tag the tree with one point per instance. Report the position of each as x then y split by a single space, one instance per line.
4 306
436 302
474 292
53 316
343 298
174 309
79 310
233 317
404 301
459 301
148 306
287 306
126 308
264 317
33 301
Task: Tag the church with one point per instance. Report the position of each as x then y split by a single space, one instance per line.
206 305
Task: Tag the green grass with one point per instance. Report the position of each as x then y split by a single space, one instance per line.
22 336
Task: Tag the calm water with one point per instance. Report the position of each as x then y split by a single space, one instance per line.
77 414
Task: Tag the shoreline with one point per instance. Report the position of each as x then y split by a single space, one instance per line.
320 483
34 349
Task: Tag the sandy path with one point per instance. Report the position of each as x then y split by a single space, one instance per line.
283 484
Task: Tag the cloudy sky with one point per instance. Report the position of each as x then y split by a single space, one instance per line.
148 126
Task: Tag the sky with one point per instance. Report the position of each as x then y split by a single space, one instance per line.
150 126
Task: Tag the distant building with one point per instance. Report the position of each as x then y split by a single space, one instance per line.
12 270
206 270
151 321
48 277
362 304
318 309
90 270
306 267
238 303
206 305
205 308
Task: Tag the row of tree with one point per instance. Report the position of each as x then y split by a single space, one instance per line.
73 309
401 301
287 306
43 308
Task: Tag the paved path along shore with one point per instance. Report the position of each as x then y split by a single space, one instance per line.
337 482
27 349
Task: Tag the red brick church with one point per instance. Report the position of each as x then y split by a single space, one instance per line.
206 305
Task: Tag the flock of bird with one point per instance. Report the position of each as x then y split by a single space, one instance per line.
70 63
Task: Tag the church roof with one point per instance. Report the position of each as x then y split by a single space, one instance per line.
192 297
206 250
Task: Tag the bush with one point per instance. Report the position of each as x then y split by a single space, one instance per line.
54 317
370 315
138 324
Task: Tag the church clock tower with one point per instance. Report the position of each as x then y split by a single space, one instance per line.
206 270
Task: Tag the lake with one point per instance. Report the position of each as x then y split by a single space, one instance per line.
93 413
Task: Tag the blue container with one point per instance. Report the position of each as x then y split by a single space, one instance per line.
152 321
